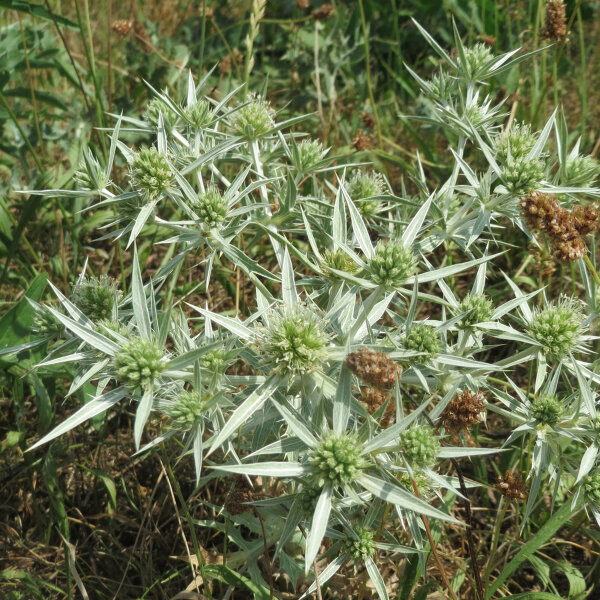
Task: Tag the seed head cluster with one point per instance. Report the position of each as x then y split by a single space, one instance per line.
186 410
555 27
481 309
252 120
374 368
582 171
138 363
464 411
373 399
366 185
337 460
565 229
521 174
512 486
309 153
516 142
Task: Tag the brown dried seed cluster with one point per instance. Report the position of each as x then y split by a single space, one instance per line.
323 12
463 411
363 141
555 28
228 60
374 368
373 399
122 27
240 493
512 486
367 119
303 4
565 229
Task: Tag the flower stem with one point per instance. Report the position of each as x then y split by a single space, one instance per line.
592 269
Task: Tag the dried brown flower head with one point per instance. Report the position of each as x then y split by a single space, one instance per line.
373 399
555 28
235 57
368 119
363 141
240 493
141 34
374 368
122 27
303 4
463 411
323 12
565 229
512 486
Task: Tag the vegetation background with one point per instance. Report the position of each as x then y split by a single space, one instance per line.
84 507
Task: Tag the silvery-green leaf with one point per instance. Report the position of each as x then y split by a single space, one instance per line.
141 415
91 409
412 229
376 578
342 401
138 299
318 526
587 462
266 469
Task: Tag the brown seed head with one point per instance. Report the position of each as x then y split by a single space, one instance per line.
363 141
463 411
323 12
373 399
512 486
368 119
374 368
555 28
122 27
303 4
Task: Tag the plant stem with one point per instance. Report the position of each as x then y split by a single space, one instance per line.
368 73
592 269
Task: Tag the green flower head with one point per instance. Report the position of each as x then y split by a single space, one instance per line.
360 544
138 363
547 410
521 174
422 338
252 120
337 460
517 142
392 264
558 328
150 172
211 207
157 107
198 115
294 341
475 60
419 446
339 260
481 309
307 154
95 296
582 171
186 410
362 186
591 488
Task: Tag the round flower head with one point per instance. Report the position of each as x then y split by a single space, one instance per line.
419 446
150 172
339 260
366 185
558 328
198 115
392 264
138 363
91 175
46 324
547 410
516 142
360 544
294 342
211 207
157 107
475 60
252 120
582 171
95 296
521 174
307 154
481 310
336 460
441 86
308 498
422 338
423 482
591 488
185 410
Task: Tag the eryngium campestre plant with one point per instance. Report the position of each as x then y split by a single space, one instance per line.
185 410
424 339
419 446
138 363
359 544
211 207
481 309
517 142
547 410
252 120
